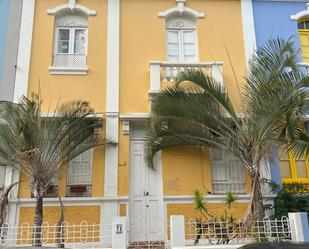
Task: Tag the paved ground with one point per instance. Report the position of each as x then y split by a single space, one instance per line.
276 246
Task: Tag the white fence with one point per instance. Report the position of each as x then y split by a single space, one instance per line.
179 233
220 233
68 235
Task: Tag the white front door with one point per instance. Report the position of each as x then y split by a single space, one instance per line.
146 197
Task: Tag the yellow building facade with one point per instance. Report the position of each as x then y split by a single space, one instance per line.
118 54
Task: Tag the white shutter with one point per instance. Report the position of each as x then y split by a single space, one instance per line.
219 172
227 173
80 169
173 45
2 176
189 46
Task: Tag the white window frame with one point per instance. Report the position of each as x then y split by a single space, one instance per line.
71 39
71 62
229 181
181 57
69 183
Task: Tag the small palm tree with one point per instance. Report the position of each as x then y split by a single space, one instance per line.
272 114
39 145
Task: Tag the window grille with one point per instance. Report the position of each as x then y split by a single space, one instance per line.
80 169
227 173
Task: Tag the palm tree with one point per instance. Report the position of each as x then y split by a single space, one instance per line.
201 114
39 145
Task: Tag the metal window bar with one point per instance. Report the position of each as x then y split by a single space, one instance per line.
221 232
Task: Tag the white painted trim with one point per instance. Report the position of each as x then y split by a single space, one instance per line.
71 201
112 98
135 116
189 64
68 71
248 28
75 201
301 14
177 11
24 50
71 8
8 176
53 115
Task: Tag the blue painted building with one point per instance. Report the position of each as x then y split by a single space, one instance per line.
284 19
10 18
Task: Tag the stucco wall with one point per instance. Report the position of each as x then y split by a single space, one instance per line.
272 20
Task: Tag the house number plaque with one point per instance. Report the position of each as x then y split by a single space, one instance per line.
119 229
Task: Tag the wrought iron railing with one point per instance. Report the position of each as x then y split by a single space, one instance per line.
66 234
219 232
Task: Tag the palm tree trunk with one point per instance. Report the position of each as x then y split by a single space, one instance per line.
255 210
38 220
257 205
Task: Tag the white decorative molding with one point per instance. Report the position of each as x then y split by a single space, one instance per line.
126 127
301 14
248 28
72 20
135 116
71 6
180 9
68 71
112 104
24 50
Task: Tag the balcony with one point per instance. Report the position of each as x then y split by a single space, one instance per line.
163 74
69 64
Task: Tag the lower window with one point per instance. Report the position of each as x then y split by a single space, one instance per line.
227 173
79 181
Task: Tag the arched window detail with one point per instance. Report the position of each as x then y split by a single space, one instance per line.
181 38
70 45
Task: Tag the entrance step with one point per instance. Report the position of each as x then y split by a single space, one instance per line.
147 244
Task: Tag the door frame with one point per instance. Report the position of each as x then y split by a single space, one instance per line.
158 168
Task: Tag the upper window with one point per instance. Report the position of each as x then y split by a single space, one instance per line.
227 173
303 30
70 48
181 39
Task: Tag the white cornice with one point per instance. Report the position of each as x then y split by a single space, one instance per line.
301 14
181 10
135 116
24 50
248 28
71 6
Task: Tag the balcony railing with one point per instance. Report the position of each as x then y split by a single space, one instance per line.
69 63
166 72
